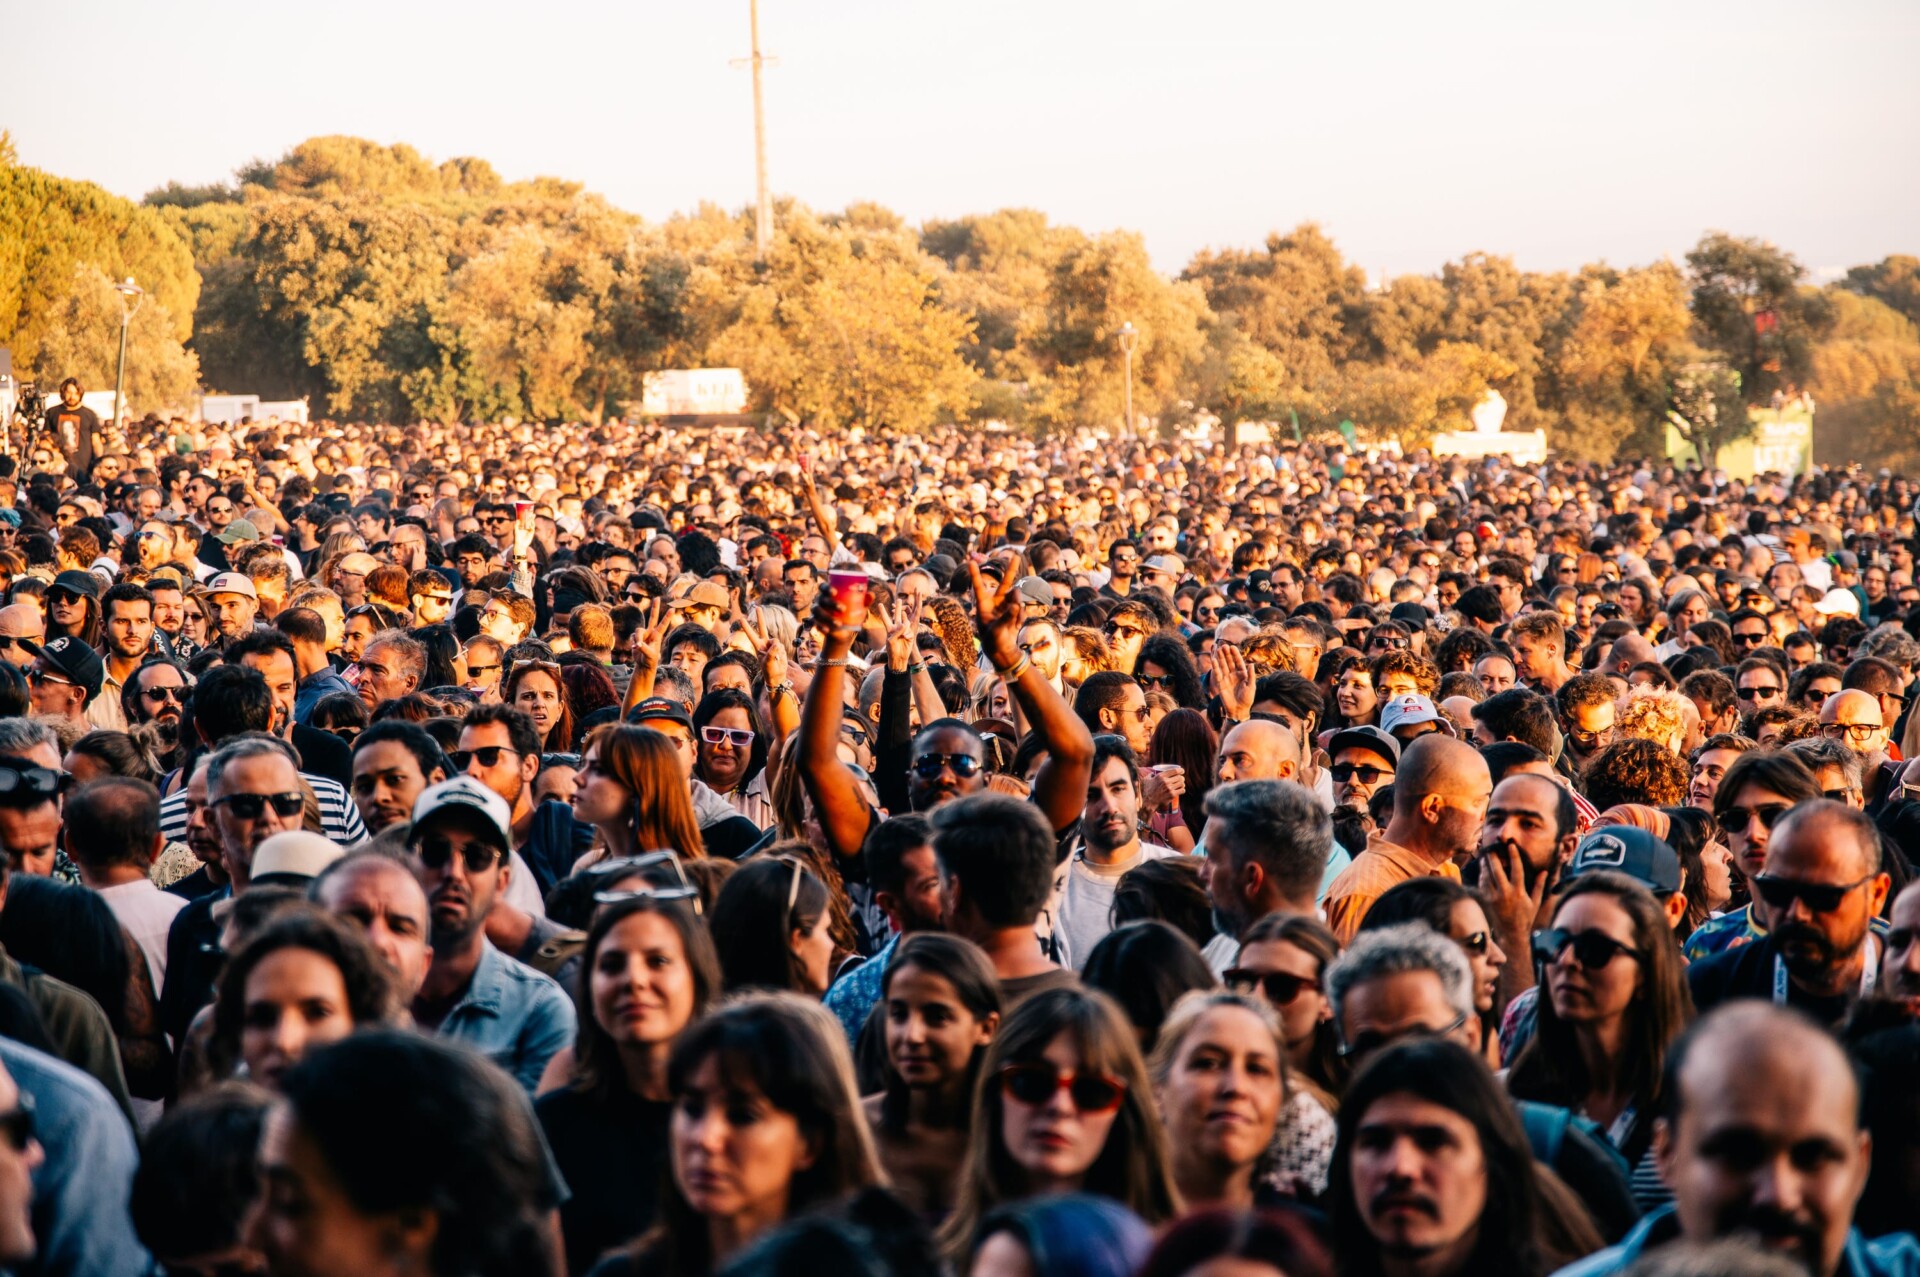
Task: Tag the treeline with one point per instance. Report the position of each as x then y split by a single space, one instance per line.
388 287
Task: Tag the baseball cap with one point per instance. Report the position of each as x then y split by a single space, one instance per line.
77 582
1034 590
1838 602
360 563
463 795
233 583
74 659
237 531
1411 710
1630 850
701 594
1169 563
657 709
1410 613
292 859
1368 737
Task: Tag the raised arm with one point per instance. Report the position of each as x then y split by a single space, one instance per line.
822 517
1060 790
837 803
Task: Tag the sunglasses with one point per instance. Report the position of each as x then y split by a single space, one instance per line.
1780 893
1280 988
738 737
489 756
482 669
1760 693
178 695
1591 949
9 641
1154 680
1127 630
1749 640
1475 943
251 806
1735 820
40 782
928 766
436 852
1344 772
628 865
1035 1084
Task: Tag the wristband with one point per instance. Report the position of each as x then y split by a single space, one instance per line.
823 663
1013 672
917 669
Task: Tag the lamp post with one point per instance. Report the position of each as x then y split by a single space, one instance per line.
1128 335
127 290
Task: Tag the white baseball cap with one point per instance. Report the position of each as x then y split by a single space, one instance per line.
1838 602
465 794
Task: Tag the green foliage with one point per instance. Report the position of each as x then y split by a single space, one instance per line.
1707 409
82 339
1749 307
1893 280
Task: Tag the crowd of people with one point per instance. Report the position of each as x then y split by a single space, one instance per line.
621 849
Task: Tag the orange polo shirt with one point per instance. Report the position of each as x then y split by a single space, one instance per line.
1381 866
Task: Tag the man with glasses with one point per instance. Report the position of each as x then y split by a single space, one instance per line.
473 993
1853 719
500 748
484 655
1758 788
64 680
1364 759
1759 684
1123 563
1586 706
1750 630
1128 627
20 625
1822 887
154 693
1113 702
30 815
703 603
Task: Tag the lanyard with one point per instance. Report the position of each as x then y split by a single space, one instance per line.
1869 973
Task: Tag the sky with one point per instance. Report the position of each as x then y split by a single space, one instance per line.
1414 133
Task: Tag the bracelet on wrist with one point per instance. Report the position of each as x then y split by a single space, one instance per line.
825 662
1013 672
920 668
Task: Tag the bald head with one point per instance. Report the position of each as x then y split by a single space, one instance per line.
1628 651
1824 832
1853 718
1753 1039
1439 764
1259 750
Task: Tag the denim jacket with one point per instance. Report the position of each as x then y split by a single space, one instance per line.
1896 1255
513 1015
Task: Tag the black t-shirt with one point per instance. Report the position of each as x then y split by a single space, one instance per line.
612 1153
1750 972
73 430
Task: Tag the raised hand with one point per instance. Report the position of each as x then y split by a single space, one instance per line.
902 627
649 637
1233 679
997 613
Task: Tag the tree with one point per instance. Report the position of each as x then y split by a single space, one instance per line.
1893 280
1298 299
1748 305
81 338
1612 359
1706 408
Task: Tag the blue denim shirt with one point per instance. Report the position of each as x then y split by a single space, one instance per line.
80 1192
314 686
852 996
513 1015
1896 1255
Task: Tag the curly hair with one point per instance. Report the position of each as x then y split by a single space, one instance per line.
1655 714
1636 770
1425 674
1269 652
1091 645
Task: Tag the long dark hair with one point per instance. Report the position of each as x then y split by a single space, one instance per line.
961 964
1171 655
794 1053
71 934
1689 830
1146 967
1550 1068
1325 1066
733 698
1444 1073
596 1060
372 994
751 921
405 1122
1186 739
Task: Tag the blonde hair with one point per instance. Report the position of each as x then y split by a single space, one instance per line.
1655 714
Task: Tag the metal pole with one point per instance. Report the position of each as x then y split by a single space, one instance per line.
763 213
120 372
1128 351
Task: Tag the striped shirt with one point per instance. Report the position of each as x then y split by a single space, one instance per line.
339 818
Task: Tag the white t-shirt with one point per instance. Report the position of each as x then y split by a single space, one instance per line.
146 913
1086 903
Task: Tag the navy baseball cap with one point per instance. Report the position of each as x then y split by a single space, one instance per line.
1629 850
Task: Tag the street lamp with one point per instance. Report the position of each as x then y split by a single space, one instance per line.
1128 335
127 290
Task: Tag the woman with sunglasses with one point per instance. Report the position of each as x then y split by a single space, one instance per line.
1165 665
534 688
1458 913
772 923
1220 1076
194 612
765 1126
941 1005
632 789
1064 1106
307 980
647 972
731 753
1614 999
73 612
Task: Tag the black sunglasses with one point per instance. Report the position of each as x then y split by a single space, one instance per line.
16 1124
1344 772
436 852
252 806
965 766
1780 893
1734 820
1373 1039
489 756
1279 987
41 782
1591 949
1037 1083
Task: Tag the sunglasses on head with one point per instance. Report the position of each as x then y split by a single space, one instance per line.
738 737
251 806
1035 1084
1780 893
1591 949
626 866
928 766
436 852
1373 1039
1279 988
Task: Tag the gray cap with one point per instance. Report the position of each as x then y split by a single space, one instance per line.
1367 737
